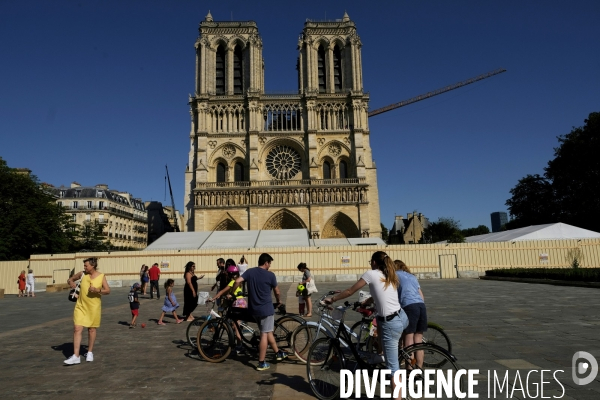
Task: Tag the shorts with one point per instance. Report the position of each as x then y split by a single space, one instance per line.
265 324
417 318
135 312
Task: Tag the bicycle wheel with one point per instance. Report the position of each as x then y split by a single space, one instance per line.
284 327
436 335
325 361
191 333
431 356
215 340
302 338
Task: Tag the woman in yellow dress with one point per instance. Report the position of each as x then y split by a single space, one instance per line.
88 308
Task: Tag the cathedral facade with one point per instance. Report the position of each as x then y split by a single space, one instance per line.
266 161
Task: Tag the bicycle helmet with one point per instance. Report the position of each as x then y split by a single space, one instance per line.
232 269
300 287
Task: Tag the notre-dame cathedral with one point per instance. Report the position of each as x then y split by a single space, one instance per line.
273 161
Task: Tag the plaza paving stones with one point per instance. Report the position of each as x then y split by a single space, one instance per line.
499 326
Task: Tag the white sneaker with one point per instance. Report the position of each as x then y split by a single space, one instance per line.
73 360
89 356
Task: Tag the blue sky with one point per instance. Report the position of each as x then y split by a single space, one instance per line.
96 91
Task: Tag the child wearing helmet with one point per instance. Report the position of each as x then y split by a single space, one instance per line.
233 298
301 292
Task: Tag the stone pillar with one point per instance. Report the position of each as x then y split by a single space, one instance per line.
330 88
229 71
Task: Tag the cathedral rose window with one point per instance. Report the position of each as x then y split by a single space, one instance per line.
283 162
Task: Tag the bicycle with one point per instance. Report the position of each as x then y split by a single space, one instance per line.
216 337
304 335
327 357
289 321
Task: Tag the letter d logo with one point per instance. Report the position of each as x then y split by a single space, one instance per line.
582 367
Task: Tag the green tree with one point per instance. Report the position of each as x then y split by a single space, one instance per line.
384 233
480 230
443 229
32 223
89 237
532 202
569 190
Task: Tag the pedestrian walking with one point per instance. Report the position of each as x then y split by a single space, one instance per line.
301 293
30 283
144 278
154 275
134 304
260 283
308 282
171 303
190 290
221 279
21 281
88 308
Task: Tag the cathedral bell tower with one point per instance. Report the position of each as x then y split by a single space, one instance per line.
266 161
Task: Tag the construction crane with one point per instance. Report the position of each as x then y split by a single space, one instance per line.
435 92
173 213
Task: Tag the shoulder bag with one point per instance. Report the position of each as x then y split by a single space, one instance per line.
310 286
74 292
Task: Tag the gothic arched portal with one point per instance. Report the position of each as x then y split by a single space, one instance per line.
228 224
284 219
340 226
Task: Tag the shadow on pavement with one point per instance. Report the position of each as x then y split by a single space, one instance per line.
67 349
296 382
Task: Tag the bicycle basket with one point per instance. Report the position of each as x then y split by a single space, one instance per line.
202 297
338 313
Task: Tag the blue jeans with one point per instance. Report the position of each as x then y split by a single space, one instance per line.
390 336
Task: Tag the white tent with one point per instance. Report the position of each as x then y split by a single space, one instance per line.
250 239
555 231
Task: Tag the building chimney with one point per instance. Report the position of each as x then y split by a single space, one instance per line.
102 186
75 185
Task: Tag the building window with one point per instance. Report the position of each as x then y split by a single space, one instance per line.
59 203
337 69
220 70
90 204
78 193
88 217
283 162
321 69
238 71
326 170
101 205
75 204
220 172
74 216
239 172
62 193
101 218
343 170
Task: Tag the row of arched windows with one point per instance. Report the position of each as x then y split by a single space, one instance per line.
322 70
239 176
342 171
238 172
221 71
